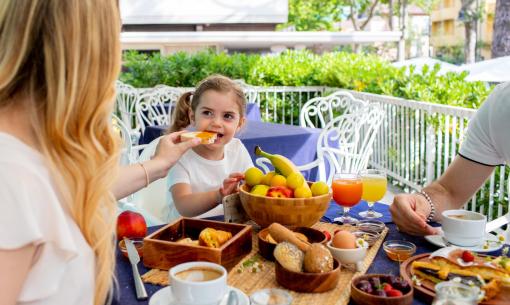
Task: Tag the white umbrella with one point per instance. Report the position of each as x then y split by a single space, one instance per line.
419 62
495 70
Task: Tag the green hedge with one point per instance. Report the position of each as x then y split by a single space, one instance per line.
360 72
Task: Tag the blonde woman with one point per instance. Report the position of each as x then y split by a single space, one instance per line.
59 60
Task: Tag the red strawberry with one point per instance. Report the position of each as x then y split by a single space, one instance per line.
327 234
467 256
387 287
394 293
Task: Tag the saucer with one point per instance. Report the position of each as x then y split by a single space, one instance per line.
494 245
164 297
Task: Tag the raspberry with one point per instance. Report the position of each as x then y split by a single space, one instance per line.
394 293
387 287
467 256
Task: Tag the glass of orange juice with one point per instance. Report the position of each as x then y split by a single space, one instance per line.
374 188
347 189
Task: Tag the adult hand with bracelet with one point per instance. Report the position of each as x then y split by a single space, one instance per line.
137 176
412 212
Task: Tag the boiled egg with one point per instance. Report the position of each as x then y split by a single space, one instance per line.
344 240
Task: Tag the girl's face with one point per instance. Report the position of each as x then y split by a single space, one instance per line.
218 112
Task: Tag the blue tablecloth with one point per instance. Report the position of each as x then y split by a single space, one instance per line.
125 295
296 143
335 210
253 112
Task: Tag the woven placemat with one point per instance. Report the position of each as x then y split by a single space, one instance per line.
249 280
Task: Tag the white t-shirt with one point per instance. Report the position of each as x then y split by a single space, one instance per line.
488 138
62 270
205 175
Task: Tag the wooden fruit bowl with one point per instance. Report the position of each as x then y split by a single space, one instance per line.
299 212
361 297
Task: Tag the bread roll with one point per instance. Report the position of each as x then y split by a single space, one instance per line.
318 259
289 256
281 234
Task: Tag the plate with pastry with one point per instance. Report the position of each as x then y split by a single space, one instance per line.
491 274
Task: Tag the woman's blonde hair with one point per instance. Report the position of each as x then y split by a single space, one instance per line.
190 100
63 57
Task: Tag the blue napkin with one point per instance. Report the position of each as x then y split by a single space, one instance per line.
335 211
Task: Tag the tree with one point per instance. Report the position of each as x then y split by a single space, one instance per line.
501 33
314 15
470 13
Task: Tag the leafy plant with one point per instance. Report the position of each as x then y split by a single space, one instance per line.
361 72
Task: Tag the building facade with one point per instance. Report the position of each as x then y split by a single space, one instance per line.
448 31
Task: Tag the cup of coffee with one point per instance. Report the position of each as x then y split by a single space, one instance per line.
198 283
464 228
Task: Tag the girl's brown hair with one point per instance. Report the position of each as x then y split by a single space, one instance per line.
63 57
190 100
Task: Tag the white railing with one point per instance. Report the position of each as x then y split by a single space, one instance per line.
416 142
282 104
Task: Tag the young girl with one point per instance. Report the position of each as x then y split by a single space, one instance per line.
207 173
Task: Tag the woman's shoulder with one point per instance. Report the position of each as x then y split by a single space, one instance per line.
19 160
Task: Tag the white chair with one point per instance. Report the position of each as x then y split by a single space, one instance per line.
317 112
155 106
152 200
345 144
125 108
121 129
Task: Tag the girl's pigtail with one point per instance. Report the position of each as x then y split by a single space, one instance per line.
180 118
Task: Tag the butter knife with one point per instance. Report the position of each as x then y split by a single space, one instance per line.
134 258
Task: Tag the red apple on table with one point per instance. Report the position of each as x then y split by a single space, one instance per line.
131 225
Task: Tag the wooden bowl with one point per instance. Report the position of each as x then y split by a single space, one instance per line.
266 248
299 212
162 250
363 298
137 242
307 281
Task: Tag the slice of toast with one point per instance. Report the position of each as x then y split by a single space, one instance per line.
205 136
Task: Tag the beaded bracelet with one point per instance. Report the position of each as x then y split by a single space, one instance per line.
146 174
432 205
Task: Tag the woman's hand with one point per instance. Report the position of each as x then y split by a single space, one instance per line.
410 212
170 149
230 184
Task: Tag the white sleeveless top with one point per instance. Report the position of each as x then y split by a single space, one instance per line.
62 270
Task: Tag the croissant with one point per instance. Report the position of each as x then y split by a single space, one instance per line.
210 237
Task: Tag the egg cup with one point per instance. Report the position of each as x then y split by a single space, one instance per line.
350 256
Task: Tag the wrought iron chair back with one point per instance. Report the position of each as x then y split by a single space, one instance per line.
319 111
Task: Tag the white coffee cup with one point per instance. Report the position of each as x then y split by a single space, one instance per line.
190 287
464 228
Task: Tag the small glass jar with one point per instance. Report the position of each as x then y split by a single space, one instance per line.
271 296
454 293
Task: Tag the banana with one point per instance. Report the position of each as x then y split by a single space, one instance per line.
281 164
